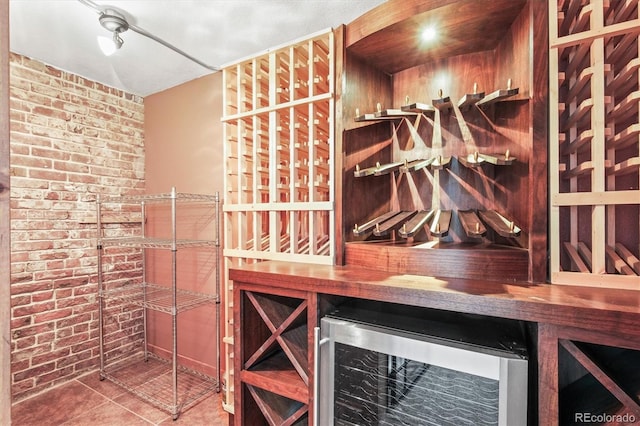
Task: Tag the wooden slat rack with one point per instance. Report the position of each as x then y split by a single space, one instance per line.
594 149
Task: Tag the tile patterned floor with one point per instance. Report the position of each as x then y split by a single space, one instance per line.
87 401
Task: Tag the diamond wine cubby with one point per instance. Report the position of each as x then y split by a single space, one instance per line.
600 380
275 358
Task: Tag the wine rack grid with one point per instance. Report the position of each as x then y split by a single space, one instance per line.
594 143
279 161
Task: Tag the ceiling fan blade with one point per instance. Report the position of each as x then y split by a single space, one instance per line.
147 34
92 5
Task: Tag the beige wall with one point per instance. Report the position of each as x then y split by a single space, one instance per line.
183 137
183 141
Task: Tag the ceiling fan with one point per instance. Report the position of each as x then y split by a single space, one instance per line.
115 22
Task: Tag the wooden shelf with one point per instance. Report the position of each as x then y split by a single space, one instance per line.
440 163
618 263
497 96
442 103
581 141
471 223
580 86
622 51
574 18
594 109
624 77
579 170
392 224
577 117
626 108
470 99
278 373
477 159
393 114
418 107
416 224
378 169
370 225
625 138
501 159
440 224
385 114
576 261
415 165
471 160
501 225
630 165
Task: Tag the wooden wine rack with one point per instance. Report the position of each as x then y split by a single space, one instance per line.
274 365
279 156
278 151
456 131
435 221
595 143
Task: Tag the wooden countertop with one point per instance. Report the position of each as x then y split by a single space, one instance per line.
604 310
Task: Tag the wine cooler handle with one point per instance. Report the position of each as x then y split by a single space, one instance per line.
317 343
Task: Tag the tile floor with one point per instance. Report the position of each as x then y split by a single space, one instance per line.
87 401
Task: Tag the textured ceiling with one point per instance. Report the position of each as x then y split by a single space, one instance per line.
63 33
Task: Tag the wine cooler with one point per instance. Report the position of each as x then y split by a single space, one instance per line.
436 368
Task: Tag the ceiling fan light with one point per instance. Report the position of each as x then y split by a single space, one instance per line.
117 40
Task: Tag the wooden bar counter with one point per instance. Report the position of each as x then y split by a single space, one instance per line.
560 314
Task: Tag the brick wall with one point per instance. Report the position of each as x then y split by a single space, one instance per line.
71 139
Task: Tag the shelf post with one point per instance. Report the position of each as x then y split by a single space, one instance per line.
174 313
100 284
143 212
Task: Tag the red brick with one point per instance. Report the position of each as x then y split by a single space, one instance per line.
71 340
72 359
20 300
71 138
56 374
18 287
50 356
17 322
42 296
47 175
34 308
39 162
34 372
53 315
75 319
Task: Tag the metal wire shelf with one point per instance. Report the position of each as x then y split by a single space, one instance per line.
164 385
159 298
150 198
145 242
151 380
